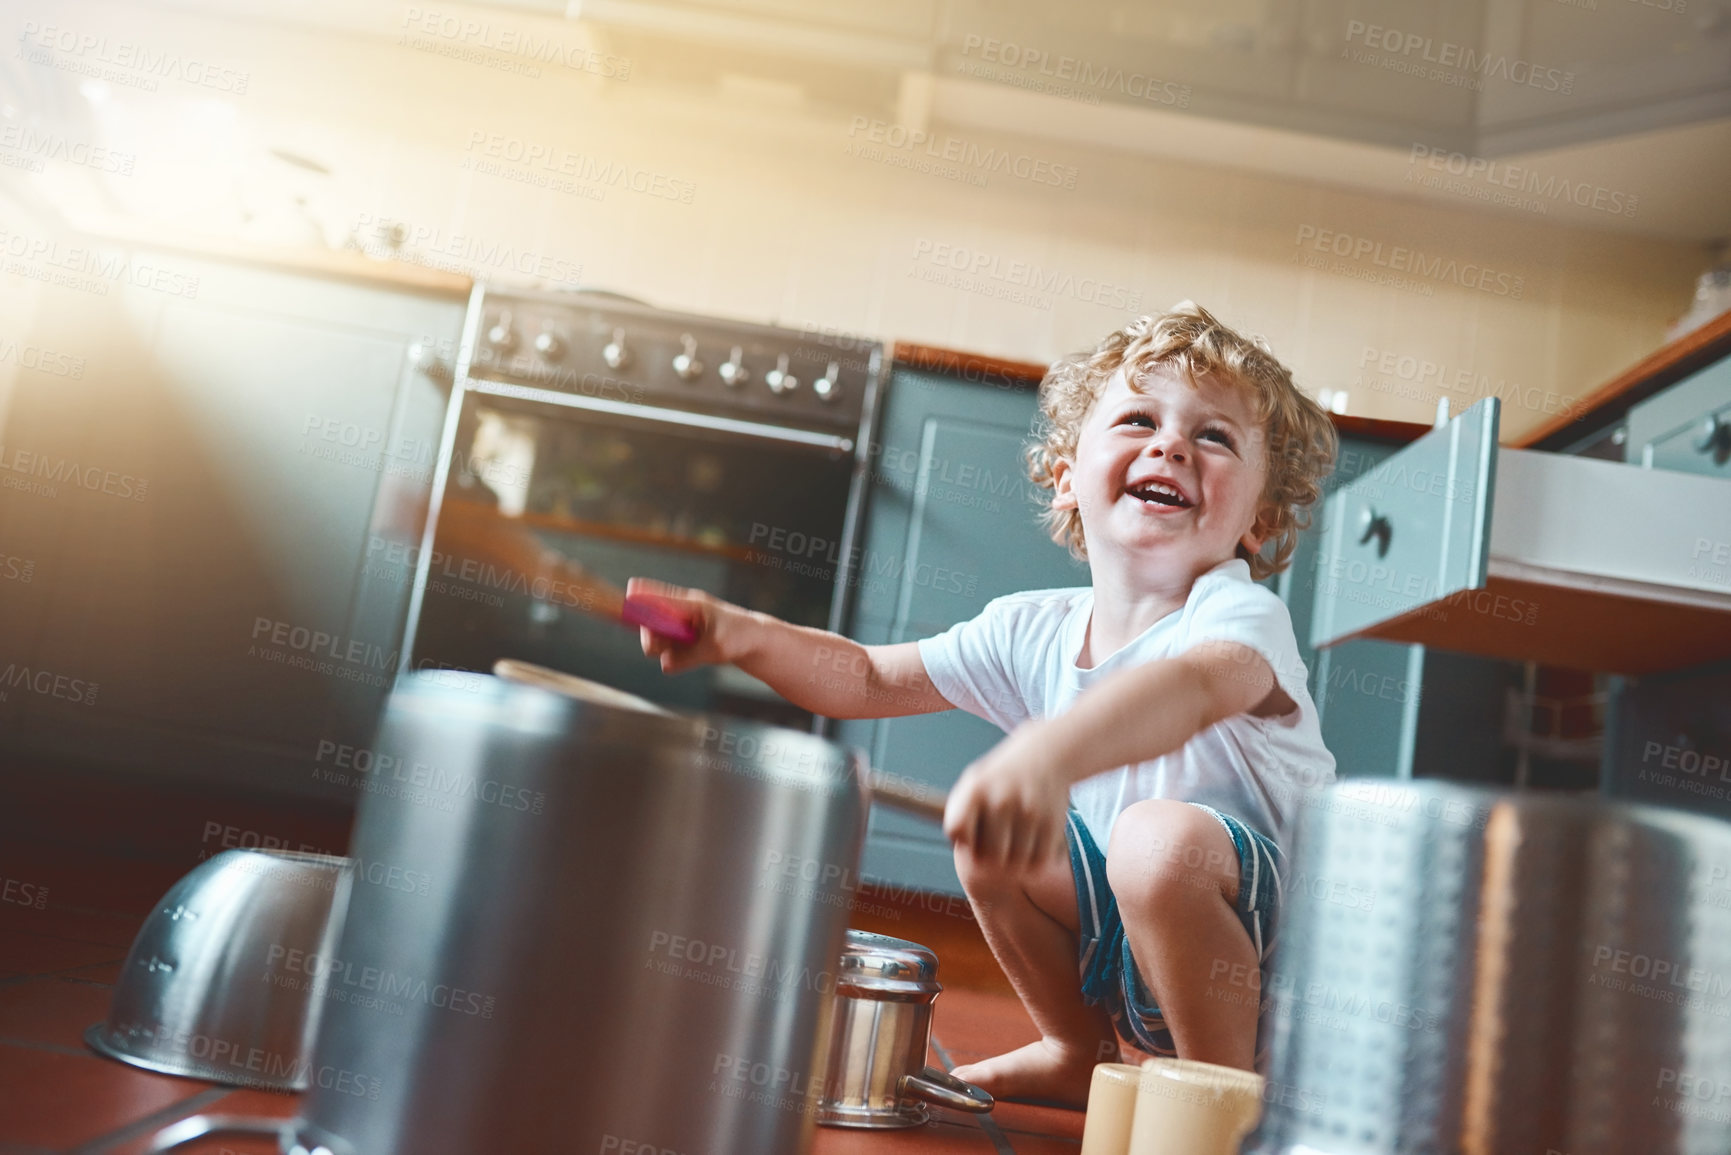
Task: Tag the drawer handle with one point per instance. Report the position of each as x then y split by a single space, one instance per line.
1373 524
1714 438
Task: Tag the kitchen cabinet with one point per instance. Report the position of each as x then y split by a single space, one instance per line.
1668 736
1389 710
951 523
1567 561
276 428
1687 427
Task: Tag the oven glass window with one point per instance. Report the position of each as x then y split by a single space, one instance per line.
754 520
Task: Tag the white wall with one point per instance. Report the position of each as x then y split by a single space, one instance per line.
785 225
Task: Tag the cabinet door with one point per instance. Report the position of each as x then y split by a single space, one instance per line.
1688 426
215 611
1366 692
1413 530
952 523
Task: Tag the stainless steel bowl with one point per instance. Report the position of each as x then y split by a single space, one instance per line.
204 992
1485 972
877 1072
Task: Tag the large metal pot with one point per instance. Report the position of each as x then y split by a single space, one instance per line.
1484 972
610 955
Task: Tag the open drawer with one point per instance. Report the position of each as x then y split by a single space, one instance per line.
1460 544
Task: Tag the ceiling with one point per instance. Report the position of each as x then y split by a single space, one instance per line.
1566 109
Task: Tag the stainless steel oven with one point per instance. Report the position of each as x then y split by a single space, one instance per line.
632 441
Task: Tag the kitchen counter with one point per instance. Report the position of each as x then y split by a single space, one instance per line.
72 909
342 264
1002 373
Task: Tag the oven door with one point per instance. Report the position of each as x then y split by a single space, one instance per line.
757 514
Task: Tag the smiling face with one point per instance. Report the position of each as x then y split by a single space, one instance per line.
1168 478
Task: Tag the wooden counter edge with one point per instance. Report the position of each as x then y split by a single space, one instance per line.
999 371
1006 373
1665 366
342 263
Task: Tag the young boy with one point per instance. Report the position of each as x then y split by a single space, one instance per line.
1161 714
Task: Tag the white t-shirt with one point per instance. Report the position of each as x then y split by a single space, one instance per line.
1016 661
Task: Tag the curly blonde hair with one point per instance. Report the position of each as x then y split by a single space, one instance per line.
1300 441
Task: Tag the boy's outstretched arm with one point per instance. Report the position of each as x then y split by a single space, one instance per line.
814 669
1009 805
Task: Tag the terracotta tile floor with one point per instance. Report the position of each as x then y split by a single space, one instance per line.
97 879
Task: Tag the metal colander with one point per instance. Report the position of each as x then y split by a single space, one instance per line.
1484 972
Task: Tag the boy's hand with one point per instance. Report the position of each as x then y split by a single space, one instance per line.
1008 807
713 620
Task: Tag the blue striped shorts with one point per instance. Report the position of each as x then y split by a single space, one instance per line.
1110 976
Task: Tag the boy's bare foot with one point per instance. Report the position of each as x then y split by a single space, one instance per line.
1043 1070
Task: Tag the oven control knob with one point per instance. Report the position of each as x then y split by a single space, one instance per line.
500 335
733 371
686 363
779 379
828 387
615 353
548 344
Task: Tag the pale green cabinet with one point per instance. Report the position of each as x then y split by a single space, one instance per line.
951 523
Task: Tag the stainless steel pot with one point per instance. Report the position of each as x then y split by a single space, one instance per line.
1485 972
877 1072
611 955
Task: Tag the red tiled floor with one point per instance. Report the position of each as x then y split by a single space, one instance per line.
250 1103
932 1139
102 974
65 958
53 1099
29 953
107 928
80 879
975 1025
51 1010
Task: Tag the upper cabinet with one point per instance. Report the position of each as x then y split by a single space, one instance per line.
1458 543
1687 428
